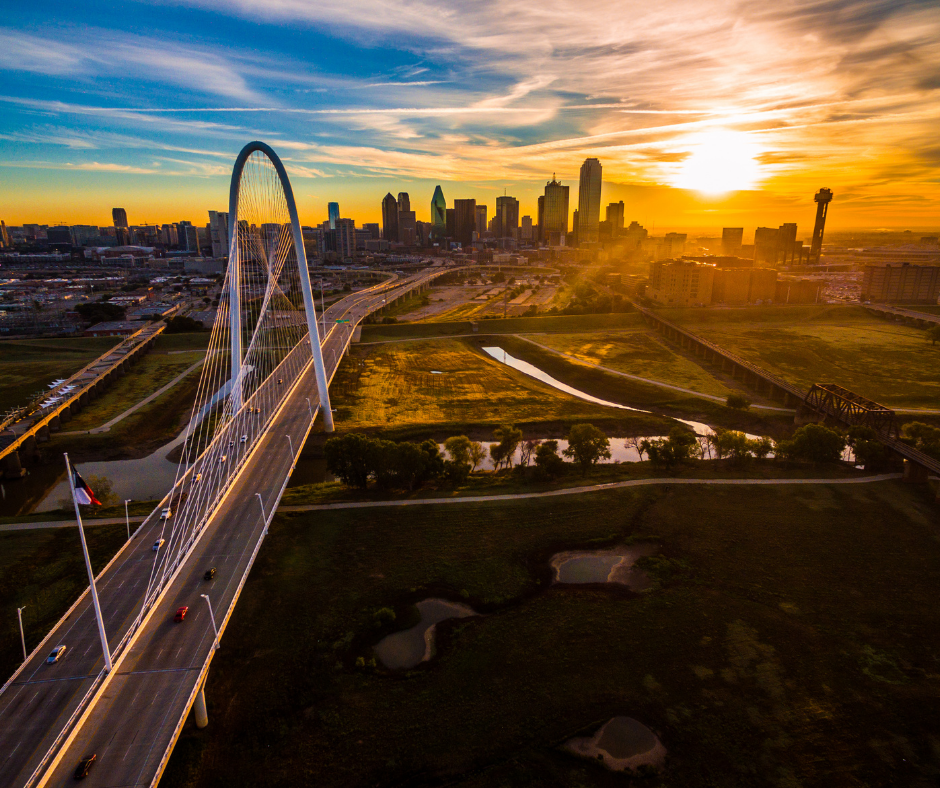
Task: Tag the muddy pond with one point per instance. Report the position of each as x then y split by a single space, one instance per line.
616 565
410 647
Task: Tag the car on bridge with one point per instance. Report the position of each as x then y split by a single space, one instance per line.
158 544
56 655
244 439
84 766
210 573
166 514
181 614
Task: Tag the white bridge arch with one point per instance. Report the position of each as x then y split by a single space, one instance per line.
238 240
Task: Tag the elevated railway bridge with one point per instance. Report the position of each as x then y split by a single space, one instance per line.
826 401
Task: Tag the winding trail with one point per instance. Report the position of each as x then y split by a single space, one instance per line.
316 507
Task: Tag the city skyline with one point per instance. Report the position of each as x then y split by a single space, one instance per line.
709 124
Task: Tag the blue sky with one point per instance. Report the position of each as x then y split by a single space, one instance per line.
145 105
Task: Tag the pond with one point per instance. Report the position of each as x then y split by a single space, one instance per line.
411 647
146 479
616 565
621 743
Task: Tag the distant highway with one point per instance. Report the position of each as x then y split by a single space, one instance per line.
53 715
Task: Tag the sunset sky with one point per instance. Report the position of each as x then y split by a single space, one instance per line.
702 114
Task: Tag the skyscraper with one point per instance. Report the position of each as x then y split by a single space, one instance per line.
438 214
465 220
731 240
218 233
615 218
333 212
589 201
525 228
507 217
786 243
481 220
823 198
406 220
4 235
390 218
553 216
120 224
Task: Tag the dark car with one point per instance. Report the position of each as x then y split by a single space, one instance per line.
84 766
210 573
181 614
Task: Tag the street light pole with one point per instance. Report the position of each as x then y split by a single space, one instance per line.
215 629
19 615
292 456
127 519
310 408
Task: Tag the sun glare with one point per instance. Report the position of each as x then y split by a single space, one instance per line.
721 161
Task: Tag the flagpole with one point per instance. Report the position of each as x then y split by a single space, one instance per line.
91 574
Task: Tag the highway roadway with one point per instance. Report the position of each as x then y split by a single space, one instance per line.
137 710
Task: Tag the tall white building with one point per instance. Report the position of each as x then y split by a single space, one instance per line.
589 201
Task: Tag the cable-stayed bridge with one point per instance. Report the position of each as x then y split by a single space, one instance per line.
264 381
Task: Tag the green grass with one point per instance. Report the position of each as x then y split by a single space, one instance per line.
149 373
791 640
198 340
29 365
639 352
44 571
391 387
888 362
513 325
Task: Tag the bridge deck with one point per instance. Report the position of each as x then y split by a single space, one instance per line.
132 718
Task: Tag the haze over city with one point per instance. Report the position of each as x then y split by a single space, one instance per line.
703 116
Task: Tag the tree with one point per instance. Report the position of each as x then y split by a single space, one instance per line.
103 489
683 443
98 312
760 447
548 464
477 454
458 447
738 402
509 438
636 443
868 450
813 443
659 451
704 446
351 458
922 436
183 325
933 334
586 446
731 444
527 451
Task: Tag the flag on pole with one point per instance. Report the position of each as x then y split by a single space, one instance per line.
83 493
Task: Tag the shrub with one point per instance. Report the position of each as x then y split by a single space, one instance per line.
587 445
813 443
548 465
738 402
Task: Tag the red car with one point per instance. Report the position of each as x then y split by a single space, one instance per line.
181 614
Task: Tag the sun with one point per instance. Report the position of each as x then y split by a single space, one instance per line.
721 161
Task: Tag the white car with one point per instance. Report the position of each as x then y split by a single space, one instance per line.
166 514
56 655
158 544
244 439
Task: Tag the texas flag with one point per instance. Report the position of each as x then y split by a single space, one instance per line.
83 493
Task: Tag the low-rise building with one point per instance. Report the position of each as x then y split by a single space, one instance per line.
680 283
905 284
116 328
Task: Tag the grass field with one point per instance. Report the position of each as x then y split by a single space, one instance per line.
394 387
888 362
143 378
560 324
28 365
44 571
792 640
641 352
